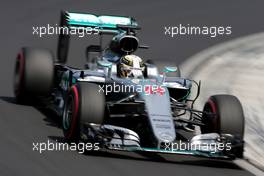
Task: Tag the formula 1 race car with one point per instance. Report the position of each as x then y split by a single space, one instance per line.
123 102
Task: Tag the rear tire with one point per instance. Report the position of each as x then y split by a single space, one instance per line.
84 105
229 118
34 72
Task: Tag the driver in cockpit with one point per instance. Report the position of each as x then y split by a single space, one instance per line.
130 66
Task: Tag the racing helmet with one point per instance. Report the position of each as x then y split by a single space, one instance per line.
131 65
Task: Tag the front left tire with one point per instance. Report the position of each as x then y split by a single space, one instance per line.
84 105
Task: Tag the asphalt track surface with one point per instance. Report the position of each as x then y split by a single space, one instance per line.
20 126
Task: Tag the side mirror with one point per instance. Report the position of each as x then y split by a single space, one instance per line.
170 69
167 70
106 66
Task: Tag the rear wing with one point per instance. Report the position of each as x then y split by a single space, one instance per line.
103 23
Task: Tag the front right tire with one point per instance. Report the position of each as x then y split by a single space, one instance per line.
228 119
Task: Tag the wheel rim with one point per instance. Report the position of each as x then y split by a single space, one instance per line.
211 121
68 113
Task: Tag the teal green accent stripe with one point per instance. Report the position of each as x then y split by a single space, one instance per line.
102 22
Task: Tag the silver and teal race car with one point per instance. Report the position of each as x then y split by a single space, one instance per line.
150 111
